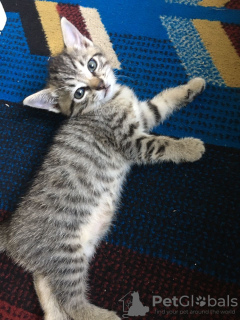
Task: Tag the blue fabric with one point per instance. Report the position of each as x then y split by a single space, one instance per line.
21 73
187 214
25 136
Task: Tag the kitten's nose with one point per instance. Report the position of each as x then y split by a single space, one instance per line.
97 84
100 85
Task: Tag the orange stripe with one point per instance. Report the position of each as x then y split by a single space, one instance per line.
51 25
213 3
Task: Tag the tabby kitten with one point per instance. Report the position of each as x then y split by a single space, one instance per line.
70 206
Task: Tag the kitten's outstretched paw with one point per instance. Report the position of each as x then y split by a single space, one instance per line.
195 87
192 149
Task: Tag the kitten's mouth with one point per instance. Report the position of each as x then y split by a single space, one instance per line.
106 91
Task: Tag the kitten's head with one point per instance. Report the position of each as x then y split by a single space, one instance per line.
80 78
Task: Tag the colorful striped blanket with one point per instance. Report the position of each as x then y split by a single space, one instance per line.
173 251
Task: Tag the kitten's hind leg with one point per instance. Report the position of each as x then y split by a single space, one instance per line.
48 301
162 105
62 293
55 311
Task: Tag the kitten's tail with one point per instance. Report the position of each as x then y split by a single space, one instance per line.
3 235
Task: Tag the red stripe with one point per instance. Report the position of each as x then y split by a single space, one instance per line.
233 32
72 13
114 272
9 312
233 4
16 288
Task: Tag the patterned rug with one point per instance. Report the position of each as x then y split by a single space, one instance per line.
174 247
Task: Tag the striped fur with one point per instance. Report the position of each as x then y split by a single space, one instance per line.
71 204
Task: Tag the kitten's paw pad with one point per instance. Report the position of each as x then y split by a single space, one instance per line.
195 87
193 149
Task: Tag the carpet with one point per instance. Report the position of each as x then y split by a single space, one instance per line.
174 247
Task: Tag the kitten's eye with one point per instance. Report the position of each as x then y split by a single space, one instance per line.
79 93
92 65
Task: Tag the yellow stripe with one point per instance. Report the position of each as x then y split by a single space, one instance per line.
213 3
221 50
51 25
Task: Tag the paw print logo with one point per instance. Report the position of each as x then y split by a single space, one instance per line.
200 301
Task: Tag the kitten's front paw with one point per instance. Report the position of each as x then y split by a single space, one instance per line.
195 87
192 149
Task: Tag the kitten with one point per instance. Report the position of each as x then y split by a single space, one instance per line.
70 206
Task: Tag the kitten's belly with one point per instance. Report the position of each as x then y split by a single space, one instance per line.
97 226
101 218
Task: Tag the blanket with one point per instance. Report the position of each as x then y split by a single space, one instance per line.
173 249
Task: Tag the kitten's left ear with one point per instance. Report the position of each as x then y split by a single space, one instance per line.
43 99
72 37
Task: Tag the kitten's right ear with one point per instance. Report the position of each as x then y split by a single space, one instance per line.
72 37
43 99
